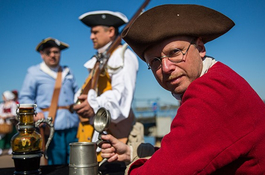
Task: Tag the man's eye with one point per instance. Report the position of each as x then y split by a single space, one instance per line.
174 52
155 60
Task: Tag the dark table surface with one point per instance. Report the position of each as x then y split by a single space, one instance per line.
115 168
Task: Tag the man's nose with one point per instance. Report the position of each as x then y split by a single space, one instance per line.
167 65
92 36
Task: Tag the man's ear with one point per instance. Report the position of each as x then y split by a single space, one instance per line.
201 47
41 54
112 31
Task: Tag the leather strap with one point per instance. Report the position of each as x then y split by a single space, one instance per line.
59 107
55 96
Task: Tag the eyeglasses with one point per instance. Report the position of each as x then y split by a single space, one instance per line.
175 56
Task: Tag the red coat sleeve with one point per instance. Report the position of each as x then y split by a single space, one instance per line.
217 126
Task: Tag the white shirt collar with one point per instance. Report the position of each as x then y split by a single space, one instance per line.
104 48
53 72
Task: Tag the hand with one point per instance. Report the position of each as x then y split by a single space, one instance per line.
115 150
84 109
39 116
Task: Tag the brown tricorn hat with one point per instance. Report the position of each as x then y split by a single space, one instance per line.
170 20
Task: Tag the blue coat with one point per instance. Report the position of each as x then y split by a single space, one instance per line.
38 89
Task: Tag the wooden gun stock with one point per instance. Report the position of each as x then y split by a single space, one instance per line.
91 81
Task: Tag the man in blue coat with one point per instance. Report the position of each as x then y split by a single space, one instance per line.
38 89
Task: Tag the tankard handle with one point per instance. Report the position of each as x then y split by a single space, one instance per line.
49 122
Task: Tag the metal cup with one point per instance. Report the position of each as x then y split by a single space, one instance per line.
102 120
83 159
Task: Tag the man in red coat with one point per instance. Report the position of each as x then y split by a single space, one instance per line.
220 124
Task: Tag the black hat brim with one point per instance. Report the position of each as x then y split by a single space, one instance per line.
51 42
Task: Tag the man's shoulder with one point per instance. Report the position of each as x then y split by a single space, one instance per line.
130 51
34 67
221 69
222 76
124 49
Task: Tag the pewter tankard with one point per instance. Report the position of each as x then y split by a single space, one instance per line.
83 156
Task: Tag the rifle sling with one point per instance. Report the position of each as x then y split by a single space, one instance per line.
53 107
55 96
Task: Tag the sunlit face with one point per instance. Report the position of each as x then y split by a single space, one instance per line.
176 77
101 35
51 56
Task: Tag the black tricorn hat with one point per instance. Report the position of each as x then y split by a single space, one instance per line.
51 42
171 20
103 18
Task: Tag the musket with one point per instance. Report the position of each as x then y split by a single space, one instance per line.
102 59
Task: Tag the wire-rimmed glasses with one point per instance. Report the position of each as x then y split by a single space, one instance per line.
175 56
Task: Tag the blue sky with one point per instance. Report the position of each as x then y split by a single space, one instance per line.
24 23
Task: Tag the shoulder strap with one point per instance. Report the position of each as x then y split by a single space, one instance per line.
55 96
123 49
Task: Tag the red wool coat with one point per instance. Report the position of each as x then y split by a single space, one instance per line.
219 129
